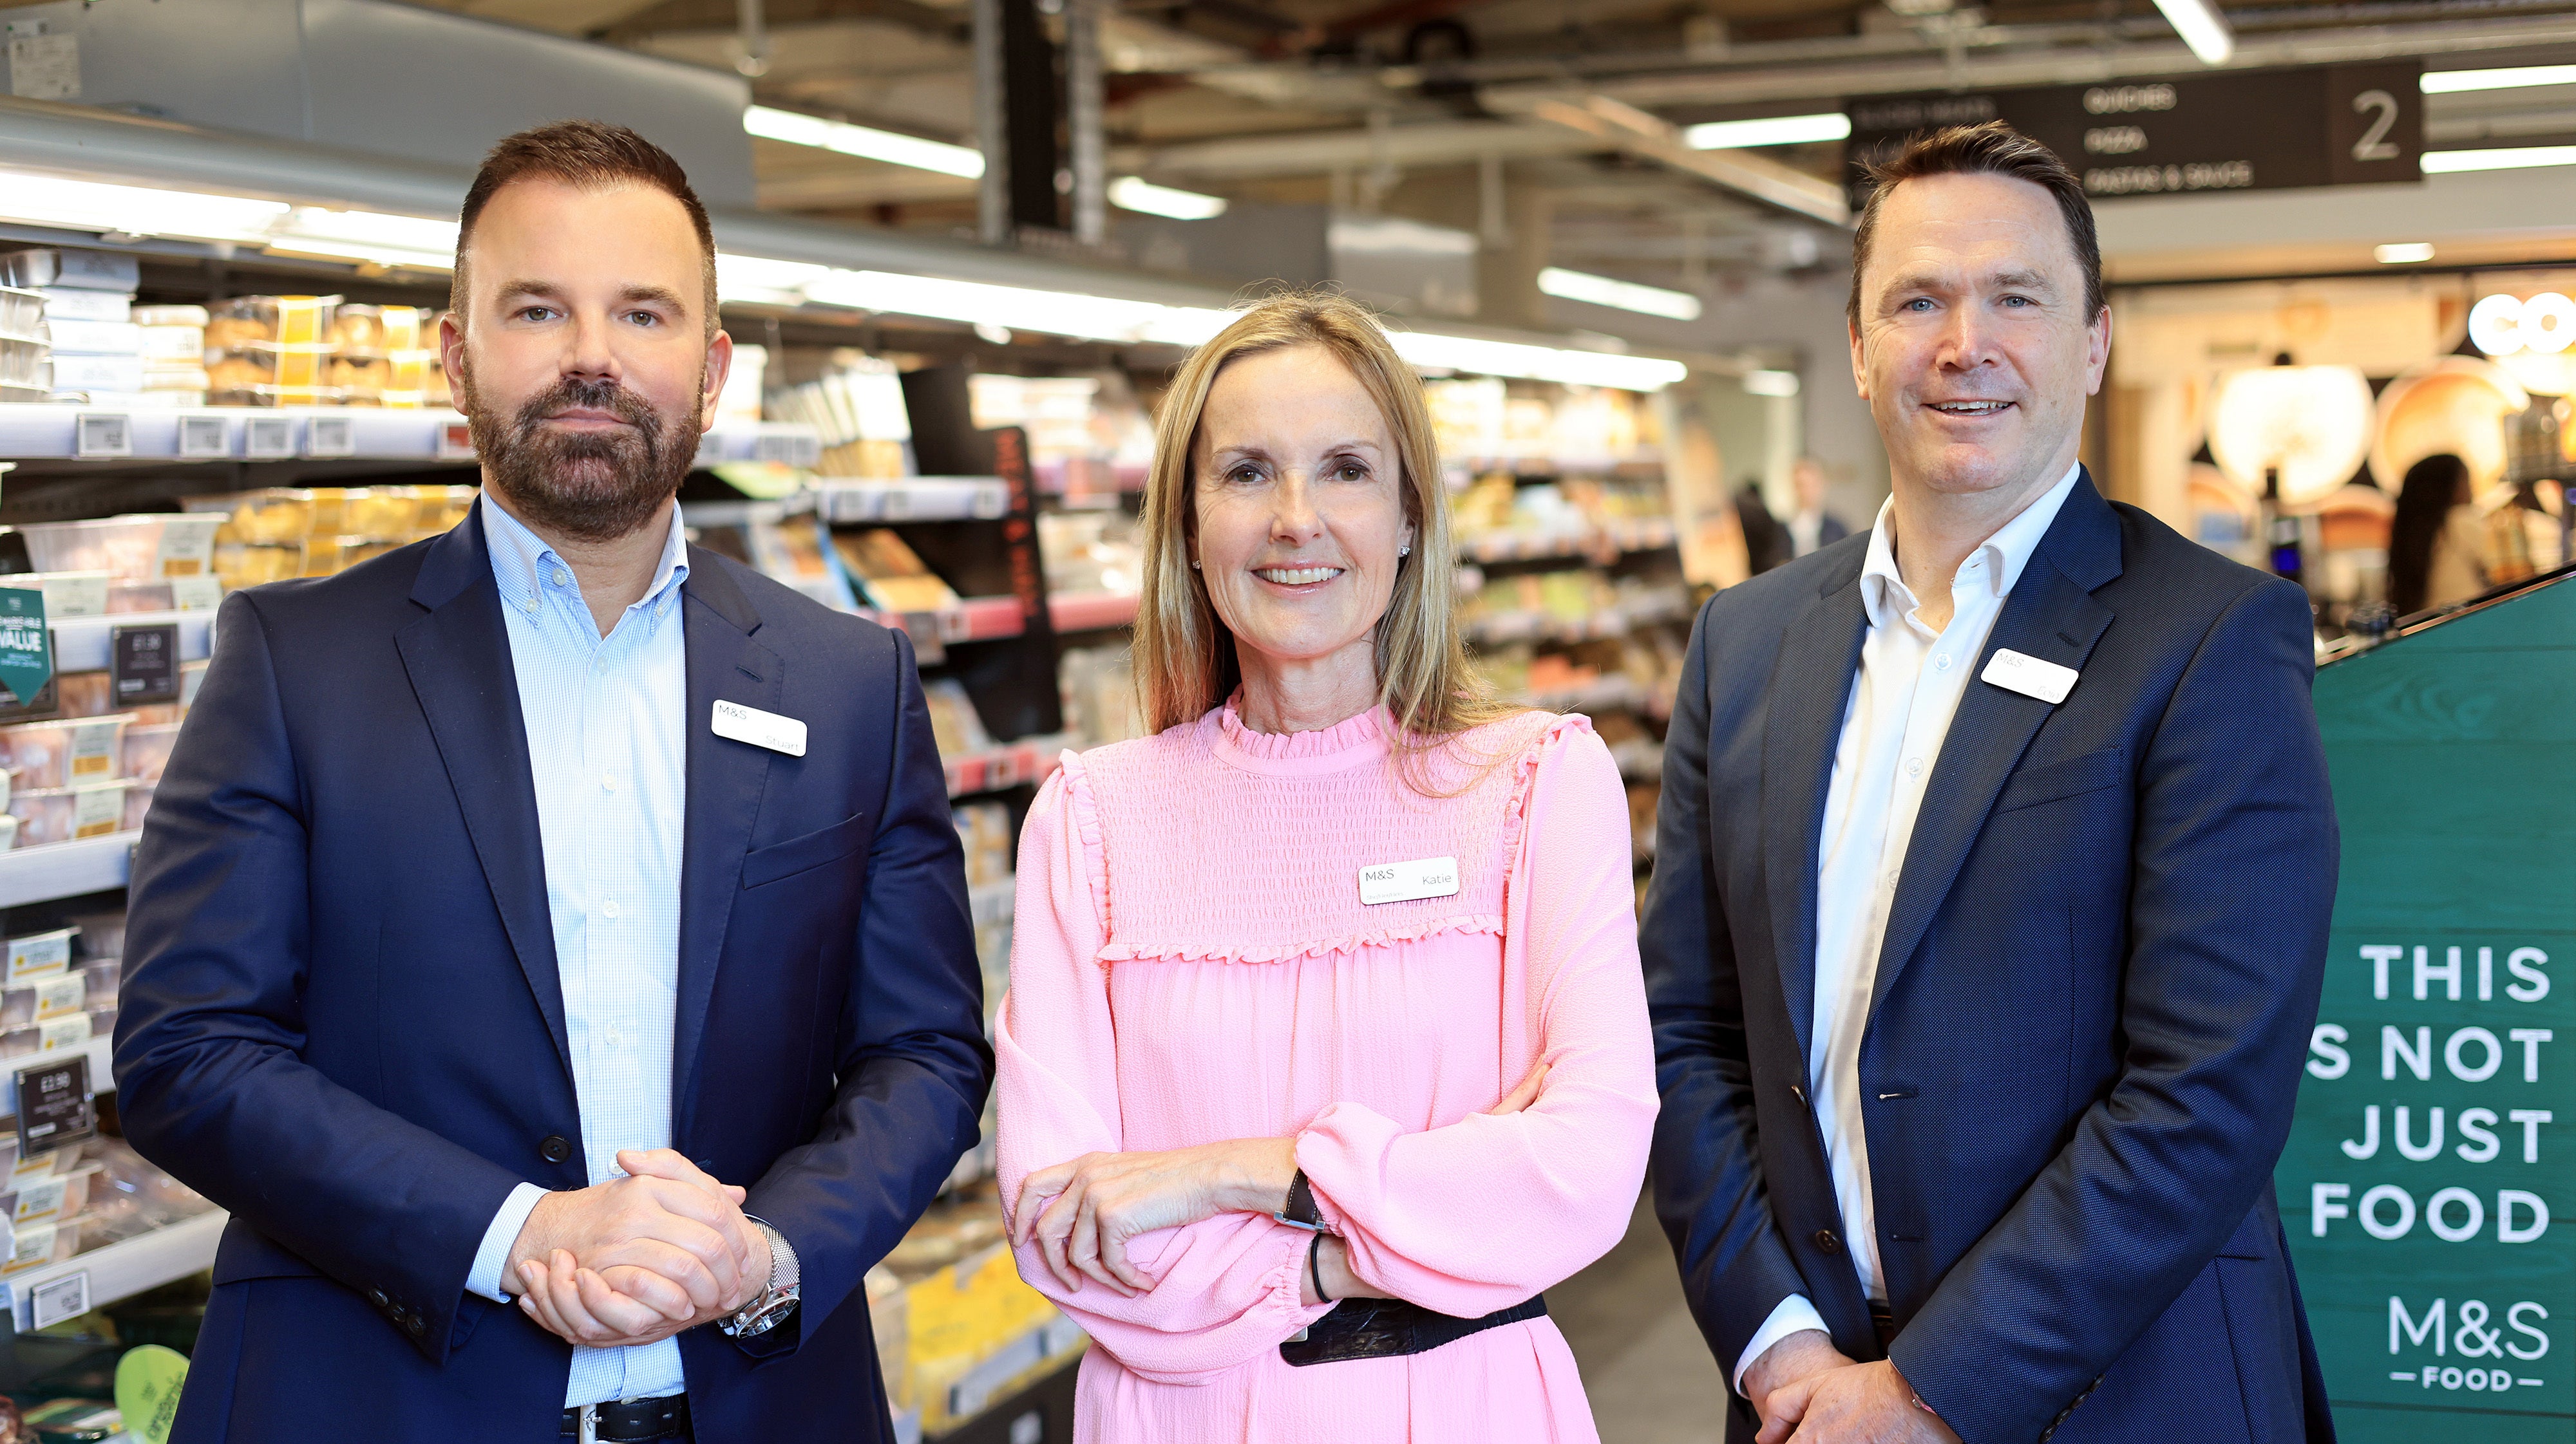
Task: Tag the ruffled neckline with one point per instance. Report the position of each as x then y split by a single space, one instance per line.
1348 743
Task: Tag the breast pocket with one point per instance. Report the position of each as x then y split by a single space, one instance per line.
781 860
2070 777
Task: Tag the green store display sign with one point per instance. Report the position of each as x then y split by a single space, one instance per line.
2434 1148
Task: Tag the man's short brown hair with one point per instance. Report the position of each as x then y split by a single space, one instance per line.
1993 148
586 153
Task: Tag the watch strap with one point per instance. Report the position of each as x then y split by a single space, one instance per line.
1301 1211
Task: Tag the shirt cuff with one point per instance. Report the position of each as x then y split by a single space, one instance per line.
494 1255
1789 1316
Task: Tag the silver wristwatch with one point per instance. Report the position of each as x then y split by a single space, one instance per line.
774 1303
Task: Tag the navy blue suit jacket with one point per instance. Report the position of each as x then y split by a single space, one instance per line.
342 1020
2092 1003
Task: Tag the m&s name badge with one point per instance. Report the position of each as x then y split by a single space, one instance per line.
1389 882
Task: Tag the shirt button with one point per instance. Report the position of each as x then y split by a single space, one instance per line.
609 907
1941 663
1914 767
608 780
562 578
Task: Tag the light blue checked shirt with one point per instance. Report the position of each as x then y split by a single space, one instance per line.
607 749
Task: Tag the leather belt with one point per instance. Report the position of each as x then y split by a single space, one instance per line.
1383 1328
627 1420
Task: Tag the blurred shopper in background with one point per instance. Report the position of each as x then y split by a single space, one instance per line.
1325 1049
2436 544
1811 527
1989 909
1766 541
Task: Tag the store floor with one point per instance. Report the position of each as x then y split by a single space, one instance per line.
1649 1375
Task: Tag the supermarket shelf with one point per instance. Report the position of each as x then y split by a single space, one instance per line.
1054 477
1031 759
122 1270
973 619
1641 462
918 498
80 643
1090 611
1614 621
993 902
1609 694
65 869
325 433
1643 534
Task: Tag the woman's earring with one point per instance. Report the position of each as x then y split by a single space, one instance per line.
1404 551
1194 564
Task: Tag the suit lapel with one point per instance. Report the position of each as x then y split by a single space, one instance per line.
2051 614
1810 688
458 660
726 779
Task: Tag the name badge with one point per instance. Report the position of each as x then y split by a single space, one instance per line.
760 729
1389 882
2030 676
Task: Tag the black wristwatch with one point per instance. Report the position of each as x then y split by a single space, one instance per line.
1301 1211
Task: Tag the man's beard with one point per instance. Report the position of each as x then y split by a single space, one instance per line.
586 486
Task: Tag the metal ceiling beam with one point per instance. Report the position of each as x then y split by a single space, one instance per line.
1462 142
1634 132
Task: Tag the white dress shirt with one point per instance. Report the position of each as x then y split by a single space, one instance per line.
607 750
1908 687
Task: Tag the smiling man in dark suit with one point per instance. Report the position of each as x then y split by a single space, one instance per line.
1990 900
550 940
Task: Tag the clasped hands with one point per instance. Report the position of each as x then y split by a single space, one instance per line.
1085 1212
1808 1391
640 1258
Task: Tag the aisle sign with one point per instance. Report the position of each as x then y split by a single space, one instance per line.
2435 1130
2235 130
26 647
143 664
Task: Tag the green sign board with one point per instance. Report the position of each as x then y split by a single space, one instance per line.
2436 1124
26 653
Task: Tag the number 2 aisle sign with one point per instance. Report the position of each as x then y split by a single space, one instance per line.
2436 1124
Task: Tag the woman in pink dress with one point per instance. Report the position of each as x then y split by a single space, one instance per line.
1326 1050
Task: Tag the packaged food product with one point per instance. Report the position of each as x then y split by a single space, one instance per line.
98 934
137 547
284 320
174 343
61 814
376 330
93 338
196 316
102 978
83 694
79 305
253 364
130 597
39 999
360 380
49 1198
24 363
247 564
97 373
67 594
8 832
891 572
78 269
37 955
102 1021
22 310
147 750
138 804
68 752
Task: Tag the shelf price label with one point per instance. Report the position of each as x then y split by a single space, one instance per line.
204 438
99 435
269 438
331 436
55 1105
56 1300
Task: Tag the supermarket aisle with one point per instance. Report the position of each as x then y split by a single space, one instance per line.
1650 1377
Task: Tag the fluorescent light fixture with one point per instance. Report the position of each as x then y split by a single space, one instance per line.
1019 308
2451 82
1770 130
1135 193
372 236
134 210
2202 28
864 141
2451 162
2405 253
765 282
1626 295
1434 352
1771 383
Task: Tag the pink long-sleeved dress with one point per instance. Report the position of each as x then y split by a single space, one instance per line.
1192 963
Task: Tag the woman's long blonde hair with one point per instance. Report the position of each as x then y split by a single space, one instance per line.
1185 656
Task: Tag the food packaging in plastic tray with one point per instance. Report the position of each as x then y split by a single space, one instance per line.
47 1199
97 373
77 269
140 547
288 320
266 363
65 753
63 814
94 338
274 396
21 311
377 330
37 955
46 1035
125 598
97 934
330 556
164 344
83 694
73 304
36 1246
41 999
196 316
8 831
247 564
102 977
23 363
138 804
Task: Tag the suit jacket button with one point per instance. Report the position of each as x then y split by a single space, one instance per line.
416 1324
1825 1240
377 1297
1799 1092
555 1149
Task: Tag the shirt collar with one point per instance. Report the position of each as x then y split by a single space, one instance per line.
1996 563
522 563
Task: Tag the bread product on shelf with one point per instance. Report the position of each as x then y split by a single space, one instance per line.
270 320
